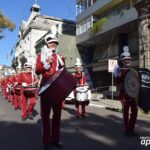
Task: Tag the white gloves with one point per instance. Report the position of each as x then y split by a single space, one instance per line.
46 66
117 71
24 84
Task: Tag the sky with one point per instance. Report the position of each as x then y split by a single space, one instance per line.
18 10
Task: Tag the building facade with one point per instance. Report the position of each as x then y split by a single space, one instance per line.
33 31
103 28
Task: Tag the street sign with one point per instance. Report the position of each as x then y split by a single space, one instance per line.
111 64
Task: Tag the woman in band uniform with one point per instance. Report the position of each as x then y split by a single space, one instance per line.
48 62
127 102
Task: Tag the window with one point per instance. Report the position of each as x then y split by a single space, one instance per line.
82 6
88 3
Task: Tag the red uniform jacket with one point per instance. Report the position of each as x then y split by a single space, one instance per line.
3 83
47 73
15 78
28 78
81 78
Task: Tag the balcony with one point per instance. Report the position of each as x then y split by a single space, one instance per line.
98 8
111 23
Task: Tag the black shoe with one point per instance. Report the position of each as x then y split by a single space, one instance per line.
125 133
16 108
84 116
30 117
46 147
24 118
78 116
133 133
57 144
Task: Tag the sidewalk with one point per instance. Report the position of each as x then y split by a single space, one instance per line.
115 105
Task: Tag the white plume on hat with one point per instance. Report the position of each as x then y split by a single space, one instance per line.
125 54
78 62
50 38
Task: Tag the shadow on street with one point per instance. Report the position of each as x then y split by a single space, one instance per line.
101 130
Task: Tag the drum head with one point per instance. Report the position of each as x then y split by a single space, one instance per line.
131 84
82 89
50 81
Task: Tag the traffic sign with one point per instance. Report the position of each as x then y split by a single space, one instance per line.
111 64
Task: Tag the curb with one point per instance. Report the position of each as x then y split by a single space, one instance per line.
116 109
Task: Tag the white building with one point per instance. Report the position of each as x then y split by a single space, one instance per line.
32 30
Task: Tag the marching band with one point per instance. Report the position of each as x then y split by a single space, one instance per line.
22 88
19 88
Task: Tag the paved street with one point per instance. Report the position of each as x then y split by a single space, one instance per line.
100 131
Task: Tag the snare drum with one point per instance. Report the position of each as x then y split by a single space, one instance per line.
30 90
18 89
81 94
89 95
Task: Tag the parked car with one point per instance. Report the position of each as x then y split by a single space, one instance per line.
70 98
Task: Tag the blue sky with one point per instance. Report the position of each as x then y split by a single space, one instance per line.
18 10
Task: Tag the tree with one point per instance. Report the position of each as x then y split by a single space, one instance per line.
5 23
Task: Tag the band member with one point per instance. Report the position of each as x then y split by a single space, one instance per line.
49 62
17 89
127 102
29 83
8 90
81 81
4 87
10 87
1 93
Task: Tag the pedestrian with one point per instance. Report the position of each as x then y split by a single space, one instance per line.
47 64
127 102
29 83
81 82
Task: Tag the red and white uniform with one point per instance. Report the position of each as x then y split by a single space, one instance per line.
29 79
10 90
129 120
17 91
50 134
4 87
81 80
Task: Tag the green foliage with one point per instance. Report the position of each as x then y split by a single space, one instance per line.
98 26
5 23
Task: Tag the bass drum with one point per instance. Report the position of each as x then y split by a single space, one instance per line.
57 87
132 84
144 95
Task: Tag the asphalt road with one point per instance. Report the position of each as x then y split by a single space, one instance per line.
101 130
